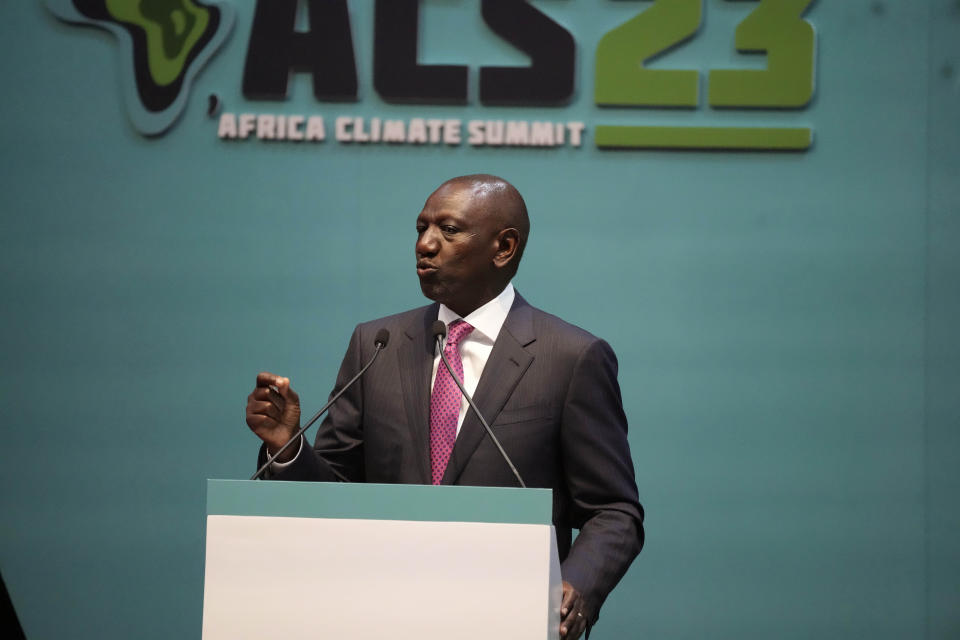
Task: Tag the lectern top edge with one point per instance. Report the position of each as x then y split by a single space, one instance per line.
379 501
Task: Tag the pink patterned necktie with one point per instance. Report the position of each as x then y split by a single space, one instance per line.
445 402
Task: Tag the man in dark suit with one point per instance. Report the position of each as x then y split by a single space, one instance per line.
548 389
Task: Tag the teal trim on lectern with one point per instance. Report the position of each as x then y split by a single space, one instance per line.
419 503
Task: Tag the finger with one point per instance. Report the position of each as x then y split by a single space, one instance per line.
579 626
267 394
265 379
573 625
264 408
276 398
570 596
572 630
567 611
570 618
285 390
259 424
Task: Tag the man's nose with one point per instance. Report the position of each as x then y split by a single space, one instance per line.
427 244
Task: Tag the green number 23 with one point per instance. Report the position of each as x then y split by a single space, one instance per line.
775 27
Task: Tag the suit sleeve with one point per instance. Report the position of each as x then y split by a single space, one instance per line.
600 478
337 453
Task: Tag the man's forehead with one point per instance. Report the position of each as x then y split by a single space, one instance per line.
457 198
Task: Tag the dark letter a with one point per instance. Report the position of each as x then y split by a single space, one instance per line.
276 49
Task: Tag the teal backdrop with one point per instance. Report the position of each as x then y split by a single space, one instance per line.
786 323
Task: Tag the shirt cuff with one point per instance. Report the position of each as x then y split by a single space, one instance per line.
280 466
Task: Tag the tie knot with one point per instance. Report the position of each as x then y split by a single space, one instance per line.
457 330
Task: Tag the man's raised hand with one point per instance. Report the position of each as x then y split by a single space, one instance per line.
273 413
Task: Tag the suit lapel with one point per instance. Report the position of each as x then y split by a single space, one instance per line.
416 367
505 367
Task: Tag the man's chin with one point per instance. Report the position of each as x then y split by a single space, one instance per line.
432 290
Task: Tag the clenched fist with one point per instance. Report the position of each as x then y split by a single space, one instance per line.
273 413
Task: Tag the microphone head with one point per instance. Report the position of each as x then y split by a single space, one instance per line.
439 329
382 338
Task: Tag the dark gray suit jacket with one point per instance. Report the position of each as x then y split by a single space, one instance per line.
549 391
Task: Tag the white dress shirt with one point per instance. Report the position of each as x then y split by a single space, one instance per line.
475 349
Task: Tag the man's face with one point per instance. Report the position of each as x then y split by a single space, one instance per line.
456 244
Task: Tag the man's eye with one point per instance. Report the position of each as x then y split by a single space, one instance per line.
448 229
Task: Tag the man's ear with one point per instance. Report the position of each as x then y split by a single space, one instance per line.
508 241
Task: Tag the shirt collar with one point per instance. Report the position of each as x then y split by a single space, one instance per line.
486 320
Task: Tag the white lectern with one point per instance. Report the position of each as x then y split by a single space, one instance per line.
295 560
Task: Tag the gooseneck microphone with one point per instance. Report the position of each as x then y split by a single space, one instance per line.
380 342
439 333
